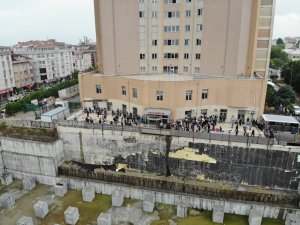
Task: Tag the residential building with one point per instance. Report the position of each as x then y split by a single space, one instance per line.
82 59
291 42
293 54
204 48
7 81
23 71
50 59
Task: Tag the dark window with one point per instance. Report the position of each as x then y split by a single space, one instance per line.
43 70
98 89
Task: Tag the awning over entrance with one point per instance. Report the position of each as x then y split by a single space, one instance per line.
157 112
279 119
5 91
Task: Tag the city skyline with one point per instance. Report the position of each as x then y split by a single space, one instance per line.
22 25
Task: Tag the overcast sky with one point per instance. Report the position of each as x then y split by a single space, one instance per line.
70 20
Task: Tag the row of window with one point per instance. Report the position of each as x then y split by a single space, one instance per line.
170 42
171 56
159 94
173 29
171 14
166 1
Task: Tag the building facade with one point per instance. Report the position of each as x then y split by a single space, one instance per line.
7 80
214 44
23 71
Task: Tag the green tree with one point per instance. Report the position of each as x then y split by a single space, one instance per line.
291 74
91 69
278 57
272 98
75 74
279 41
286 95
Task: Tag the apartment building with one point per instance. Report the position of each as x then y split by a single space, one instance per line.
7 81
23 71
218 46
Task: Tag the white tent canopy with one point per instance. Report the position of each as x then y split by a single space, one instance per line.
279 119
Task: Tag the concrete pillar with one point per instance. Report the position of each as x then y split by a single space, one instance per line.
71 215
60 189
41 209
292 219
88 194
104 219
255 217
6 179
25 220
7 200
29 183
218 213
182 210
148 203
117 198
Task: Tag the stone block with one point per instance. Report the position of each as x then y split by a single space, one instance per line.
292 219
117 198
255 217
7 201
181 210
88 194
6 179
71 215
148 203
218 214
25 220
104 219
29 183
60 189
41 209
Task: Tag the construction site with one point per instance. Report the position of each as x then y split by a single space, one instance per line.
74 174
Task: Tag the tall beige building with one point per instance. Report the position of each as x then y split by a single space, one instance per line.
204 46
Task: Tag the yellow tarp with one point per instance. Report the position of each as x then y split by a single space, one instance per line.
191 154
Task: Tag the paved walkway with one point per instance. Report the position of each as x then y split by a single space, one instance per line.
226 127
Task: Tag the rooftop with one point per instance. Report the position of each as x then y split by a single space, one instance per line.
55 111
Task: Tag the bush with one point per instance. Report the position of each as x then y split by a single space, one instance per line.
41 93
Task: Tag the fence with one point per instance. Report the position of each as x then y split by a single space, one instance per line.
228 137
179 186
29 123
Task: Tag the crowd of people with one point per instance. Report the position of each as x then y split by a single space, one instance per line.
203 123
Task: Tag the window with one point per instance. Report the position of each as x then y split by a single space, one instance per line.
142 29
186 41
154 68
142 42
171 42
186 55
142 56
154 56
198 42
134 92
185 69
197 70
200 12
199 27
188 95
187 28
198 56
98 89
159 95
172 1
188 13
171 55
143 69
154 42
154 29
141 1
43 70
154 14
204 93
171 28
174 14
134 110
188 1
123 90
142 14
154 1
